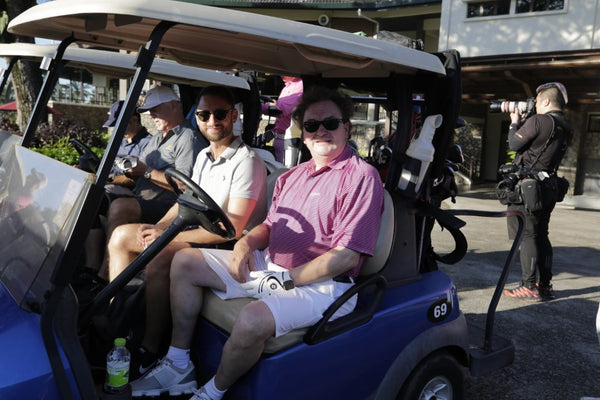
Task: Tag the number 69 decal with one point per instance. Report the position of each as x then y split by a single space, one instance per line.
439 310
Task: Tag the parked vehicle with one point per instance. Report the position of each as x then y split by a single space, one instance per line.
407 338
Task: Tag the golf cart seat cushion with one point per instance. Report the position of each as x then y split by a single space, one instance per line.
271 179
385 239
223 313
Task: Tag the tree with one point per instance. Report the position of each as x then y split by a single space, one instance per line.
26 76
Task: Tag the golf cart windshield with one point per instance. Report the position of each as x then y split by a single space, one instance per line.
40 200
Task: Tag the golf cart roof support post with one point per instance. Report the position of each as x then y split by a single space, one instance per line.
446 92
402 103
48 335
143 64
6 73
55 325
491 313
50 80
62 274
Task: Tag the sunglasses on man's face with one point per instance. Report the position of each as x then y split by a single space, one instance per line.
204 115
331 124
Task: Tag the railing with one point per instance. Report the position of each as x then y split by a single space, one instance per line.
105 97
470 167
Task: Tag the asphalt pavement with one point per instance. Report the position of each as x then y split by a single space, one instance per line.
557 353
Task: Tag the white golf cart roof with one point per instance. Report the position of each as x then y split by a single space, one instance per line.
223 39
121 65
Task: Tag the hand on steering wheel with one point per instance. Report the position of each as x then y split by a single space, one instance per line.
211 217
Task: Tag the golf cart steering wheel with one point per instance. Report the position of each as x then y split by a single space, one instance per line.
88 160
213 218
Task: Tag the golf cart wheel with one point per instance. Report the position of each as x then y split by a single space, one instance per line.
438 377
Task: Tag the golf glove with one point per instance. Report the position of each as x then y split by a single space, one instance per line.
267 283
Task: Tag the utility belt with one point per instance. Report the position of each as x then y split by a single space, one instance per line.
534 189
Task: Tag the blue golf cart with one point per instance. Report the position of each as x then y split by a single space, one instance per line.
406 339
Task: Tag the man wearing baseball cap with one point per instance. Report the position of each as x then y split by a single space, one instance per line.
176 145
135 139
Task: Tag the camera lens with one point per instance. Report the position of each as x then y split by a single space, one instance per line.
495 106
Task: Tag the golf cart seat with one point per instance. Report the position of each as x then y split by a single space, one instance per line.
224 313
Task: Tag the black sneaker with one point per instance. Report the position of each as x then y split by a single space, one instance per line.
142 361
546 292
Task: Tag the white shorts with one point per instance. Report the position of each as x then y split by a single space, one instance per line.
292 309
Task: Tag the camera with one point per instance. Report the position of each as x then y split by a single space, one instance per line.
526 107
125 162
506 169
509 175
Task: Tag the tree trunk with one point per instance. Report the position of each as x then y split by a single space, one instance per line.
26 76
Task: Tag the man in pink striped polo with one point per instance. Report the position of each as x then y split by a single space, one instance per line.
322 222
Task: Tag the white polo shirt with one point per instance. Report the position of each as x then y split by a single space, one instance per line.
238 173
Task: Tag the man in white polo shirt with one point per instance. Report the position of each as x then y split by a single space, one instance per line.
228 171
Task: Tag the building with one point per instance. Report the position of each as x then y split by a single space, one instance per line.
508 48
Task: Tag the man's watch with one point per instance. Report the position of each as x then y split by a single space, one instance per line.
148 173
288 284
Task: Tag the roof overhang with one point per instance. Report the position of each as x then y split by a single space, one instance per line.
515 77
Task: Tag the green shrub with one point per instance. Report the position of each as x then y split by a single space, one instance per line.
63 150
54 141
50 133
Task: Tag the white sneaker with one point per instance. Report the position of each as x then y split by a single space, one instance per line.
200 394
165 377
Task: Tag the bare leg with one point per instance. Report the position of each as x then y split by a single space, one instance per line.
122 249
124 210
158 309
254 326
189 274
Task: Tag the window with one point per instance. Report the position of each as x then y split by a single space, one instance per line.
594 123
526 6
488 8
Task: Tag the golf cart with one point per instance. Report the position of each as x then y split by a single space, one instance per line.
407 337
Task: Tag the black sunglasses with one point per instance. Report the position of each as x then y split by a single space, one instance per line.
204 115
331 124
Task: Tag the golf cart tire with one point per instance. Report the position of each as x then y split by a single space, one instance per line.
440 368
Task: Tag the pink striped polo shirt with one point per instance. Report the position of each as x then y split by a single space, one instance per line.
315 211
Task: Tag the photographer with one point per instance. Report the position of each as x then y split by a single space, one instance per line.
540 143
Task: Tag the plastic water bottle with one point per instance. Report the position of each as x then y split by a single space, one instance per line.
117 370
419 156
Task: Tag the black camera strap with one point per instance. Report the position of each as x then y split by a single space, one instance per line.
563 148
